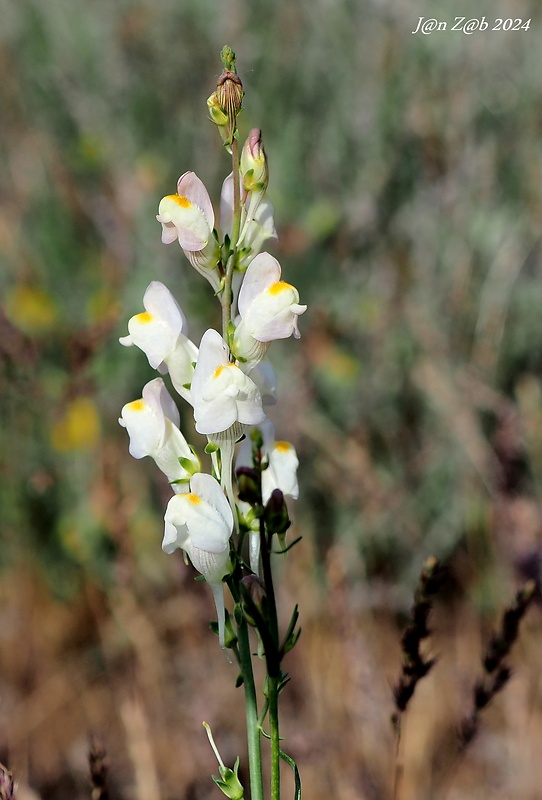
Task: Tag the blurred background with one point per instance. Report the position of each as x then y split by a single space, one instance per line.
406 176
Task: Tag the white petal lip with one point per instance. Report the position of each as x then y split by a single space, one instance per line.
174 536
216 416
207 487
152 425
156 334
159 334
154 337
267 324
144 429
220 401
207 524
191 225
169 231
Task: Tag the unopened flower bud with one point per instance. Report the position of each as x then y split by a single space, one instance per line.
249 485
254 592
276 513
229 91
254 169
215 112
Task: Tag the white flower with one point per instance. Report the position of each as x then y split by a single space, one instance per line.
224 400
281 472
257 224
255 232
222 394
188 217
201 523
268 308
153 426
159 332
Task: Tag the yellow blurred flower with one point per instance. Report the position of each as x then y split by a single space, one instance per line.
78 428
31 309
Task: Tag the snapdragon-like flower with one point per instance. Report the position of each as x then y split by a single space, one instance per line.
222 395
224 400
152 423
200 522
268 308
159 332
257 223
188 217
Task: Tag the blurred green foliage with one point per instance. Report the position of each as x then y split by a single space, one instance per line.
405 171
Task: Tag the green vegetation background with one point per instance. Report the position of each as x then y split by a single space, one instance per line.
406 173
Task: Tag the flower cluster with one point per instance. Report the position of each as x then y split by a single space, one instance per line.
225 380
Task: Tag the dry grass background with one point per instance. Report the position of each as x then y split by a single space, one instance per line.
406 173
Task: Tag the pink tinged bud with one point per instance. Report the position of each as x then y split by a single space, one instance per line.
253 163
222 395
152 424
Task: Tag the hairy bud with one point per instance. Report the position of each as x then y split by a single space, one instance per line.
229 92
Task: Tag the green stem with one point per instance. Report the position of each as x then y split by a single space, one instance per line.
236 225
251 709
269 591
273 698
273 662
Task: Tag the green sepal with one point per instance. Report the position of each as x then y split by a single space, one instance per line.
180 481
256 438
211 447
230 636
188 465
229 782
230 333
